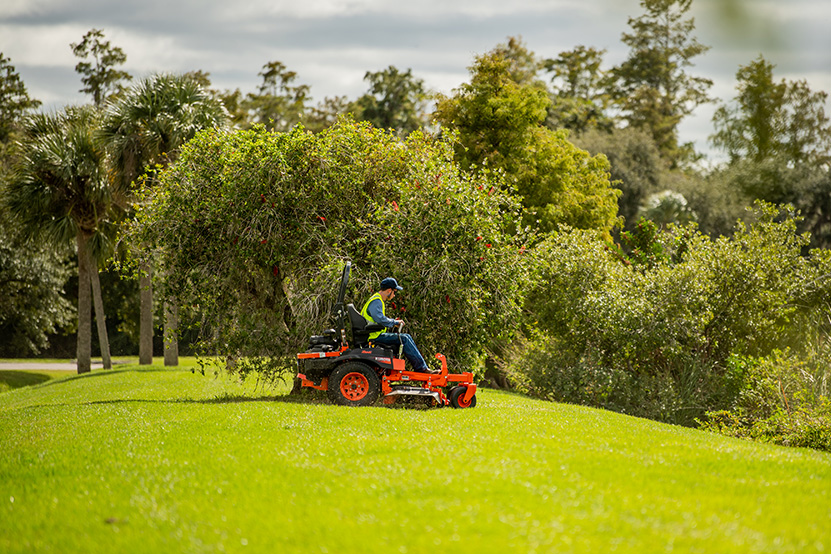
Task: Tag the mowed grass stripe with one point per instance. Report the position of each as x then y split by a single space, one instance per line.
138 460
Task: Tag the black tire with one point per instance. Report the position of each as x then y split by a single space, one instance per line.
354 384
456 398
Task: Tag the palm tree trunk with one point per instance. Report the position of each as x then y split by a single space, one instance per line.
171 328
100 319
83 351
146 317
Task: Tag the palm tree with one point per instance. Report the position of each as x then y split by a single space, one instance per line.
58 192
144 129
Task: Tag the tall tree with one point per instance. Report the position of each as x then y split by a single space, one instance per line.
14 99
99 76
500 127
278 104
144 129
652 87
773 119
580 96
778 139
58 191
395 100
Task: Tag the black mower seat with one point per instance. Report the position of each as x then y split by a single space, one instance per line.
361 328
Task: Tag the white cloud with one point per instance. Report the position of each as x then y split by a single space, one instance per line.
15 8
331 44
40 45
422 9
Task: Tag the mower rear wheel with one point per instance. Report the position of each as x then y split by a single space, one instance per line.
457 395
354 384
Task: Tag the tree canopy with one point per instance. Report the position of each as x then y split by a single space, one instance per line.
652 86
770 119
279 104
395 100
15 101
99 76
253 228
500 127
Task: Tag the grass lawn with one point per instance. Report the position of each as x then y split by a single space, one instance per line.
160 460
14 379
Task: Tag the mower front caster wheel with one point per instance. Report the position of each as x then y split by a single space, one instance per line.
457 395
354 384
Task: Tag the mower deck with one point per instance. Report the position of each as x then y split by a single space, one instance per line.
356 387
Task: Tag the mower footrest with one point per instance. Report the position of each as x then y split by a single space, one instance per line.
414 391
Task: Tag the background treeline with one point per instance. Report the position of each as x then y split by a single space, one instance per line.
555 232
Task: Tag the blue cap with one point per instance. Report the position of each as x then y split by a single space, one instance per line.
390 283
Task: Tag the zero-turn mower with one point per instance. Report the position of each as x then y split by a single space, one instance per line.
357 372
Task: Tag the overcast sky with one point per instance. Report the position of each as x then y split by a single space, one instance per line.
331 44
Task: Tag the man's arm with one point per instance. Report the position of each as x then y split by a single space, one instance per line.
376 312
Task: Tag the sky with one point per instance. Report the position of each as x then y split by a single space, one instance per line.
331 44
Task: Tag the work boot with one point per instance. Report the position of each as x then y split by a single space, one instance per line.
430 371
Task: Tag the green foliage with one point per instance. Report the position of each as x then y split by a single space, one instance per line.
580 99
493 113
785 400
644 245
782 121
500 125
326 113
136 461
32 278
395 100
279 104
252 229
652 86
58 192
653 338
14 99
99 76
635 166
150 121
804 186
58 186
778 139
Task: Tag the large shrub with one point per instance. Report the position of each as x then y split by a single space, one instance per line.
784 400
654 339
251 230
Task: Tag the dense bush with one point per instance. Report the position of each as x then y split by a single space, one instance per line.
251 230
654 339
784 400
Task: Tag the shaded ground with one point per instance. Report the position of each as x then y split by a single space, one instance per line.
36 365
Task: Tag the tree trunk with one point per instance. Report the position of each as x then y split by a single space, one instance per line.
146 318
100 318
83 351
171 328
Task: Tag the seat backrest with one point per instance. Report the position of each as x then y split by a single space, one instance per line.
357 321
360 336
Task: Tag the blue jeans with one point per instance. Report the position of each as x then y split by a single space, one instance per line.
410 350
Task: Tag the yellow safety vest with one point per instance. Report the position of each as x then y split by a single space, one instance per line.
365 313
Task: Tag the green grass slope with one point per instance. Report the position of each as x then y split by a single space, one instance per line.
158 460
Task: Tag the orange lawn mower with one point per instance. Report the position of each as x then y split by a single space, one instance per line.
357 372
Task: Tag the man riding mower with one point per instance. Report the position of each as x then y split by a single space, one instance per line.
356 372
